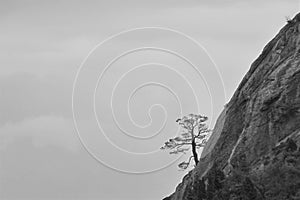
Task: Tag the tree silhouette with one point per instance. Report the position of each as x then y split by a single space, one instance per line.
194 135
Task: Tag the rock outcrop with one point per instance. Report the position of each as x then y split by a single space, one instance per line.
254 151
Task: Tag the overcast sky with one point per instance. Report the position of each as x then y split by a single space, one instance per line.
44 43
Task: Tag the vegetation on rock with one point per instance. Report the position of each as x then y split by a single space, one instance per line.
194 135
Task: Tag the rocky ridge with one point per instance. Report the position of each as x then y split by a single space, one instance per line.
254 151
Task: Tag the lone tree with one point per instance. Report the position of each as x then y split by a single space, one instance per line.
194 135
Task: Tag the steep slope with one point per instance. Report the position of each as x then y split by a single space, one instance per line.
254 152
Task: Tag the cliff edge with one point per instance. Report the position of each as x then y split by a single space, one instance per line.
254 151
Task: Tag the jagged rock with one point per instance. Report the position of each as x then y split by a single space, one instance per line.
254 151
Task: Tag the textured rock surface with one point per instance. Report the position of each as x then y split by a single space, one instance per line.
255 153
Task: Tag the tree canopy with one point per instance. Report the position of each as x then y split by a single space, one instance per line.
194 135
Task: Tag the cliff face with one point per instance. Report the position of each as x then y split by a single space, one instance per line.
254 152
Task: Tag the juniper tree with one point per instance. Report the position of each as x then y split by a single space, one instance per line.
194 135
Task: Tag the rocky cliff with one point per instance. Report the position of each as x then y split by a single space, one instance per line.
254 151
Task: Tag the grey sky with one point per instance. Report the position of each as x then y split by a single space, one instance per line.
42 44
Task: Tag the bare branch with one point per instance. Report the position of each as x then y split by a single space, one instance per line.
184 165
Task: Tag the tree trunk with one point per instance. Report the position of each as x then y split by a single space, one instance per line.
194 150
